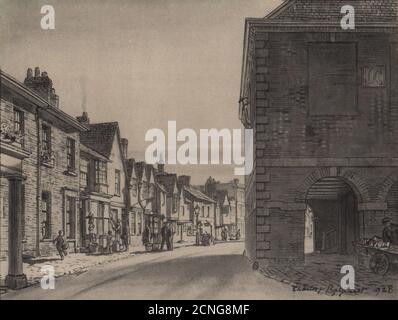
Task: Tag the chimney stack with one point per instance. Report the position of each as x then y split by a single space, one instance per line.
84 118
161 164
184 180
125 143
160 167
42 85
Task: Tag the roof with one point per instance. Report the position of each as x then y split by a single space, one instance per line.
139 169
85 149
130 163
100 137
198 195
377 11
20 88
220 196
161 188
168 180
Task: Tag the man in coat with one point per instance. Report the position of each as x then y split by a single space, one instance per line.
164 235
390 231
61 245
170 237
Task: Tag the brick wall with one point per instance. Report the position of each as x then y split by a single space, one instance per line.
53 179
292 144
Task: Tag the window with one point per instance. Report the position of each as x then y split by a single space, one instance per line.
46 139
333 79
100 172
183 211
139 224
18 121
208 212
117 182
83 172
70 222
134 188
203 211
133 223
45 215
101 218
175 203
70 154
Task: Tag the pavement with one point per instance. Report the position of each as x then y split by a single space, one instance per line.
189 272
321 273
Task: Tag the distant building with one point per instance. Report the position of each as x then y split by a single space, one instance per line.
147 201
230 197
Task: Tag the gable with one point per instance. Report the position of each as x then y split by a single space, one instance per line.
100 137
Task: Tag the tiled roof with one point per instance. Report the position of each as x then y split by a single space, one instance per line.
372 11
161 187
168 181
220 196
100 137
199 195
139 169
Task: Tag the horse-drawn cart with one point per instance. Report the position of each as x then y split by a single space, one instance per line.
382 255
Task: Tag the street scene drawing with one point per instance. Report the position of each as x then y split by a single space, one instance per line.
100 200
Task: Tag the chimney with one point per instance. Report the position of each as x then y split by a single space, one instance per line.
161 164
160 167
54 99
84 118
184 180
125 143
42 85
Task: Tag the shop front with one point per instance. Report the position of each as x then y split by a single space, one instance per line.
153 224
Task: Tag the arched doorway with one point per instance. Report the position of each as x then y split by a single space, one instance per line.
332 207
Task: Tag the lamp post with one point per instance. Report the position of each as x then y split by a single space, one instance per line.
196 212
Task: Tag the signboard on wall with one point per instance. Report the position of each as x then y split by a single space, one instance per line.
332 78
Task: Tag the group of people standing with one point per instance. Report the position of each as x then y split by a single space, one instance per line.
167 236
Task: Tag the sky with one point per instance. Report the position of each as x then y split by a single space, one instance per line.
139 62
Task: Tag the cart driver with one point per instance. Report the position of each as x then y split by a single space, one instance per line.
390 231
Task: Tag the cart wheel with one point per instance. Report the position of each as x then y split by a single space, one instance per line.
379 264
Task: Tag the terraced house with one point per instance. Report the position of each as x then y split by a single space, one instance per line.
146 202
39 172
103 182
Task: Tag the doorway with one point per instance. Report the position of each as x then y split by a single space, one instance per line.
331 218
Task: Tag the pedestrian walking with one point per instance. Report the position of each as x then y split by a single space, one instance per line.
238 234
170 237
109 242
146 235
61 245
164 235
126 237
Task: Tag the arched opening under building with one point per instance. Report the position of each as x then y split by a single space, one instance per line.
331 218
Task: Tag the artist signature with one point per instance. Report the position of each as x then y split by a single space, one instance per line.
332 290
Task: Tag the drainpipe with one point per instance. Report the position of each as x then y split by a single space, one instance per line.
38 182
